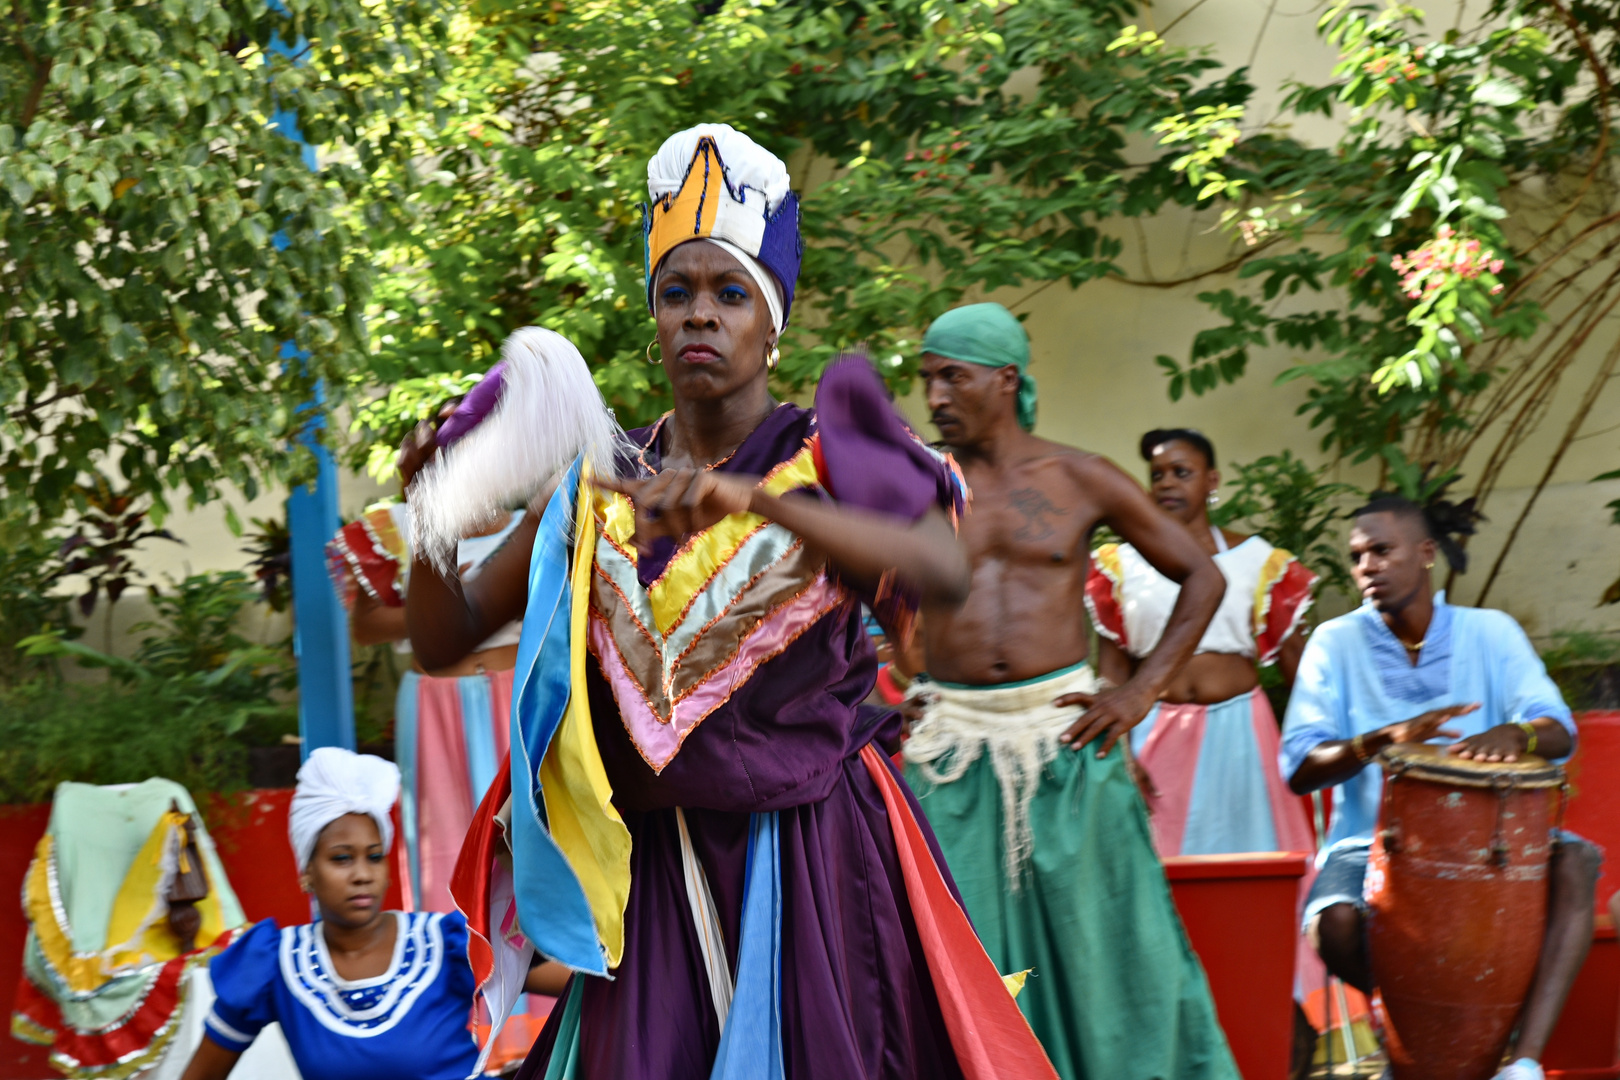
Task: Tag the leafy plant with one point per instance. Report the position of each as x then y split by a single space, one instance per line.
113 733
1459 237
193 656
1293 507
27 605
101 542
953 173
1586 667
1611 595
175 281
270 545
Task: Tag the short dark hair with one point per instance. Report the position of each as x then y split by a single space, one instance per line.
1443 521
1195 439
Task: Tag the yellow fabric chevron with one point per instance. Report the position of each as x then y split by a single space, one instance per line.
138 914
704 554
138 923
1271 571
579 798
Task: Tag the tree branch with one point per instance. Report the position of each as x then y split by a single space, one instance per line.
1588 400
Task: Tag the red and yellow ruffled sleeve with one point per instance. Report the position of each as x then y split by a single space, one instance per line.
1282 596
371 554
1105 586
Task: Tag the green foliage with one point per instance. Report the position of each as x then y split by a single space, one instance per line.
193 656
1293 507
27 606
382 423
938 171
187 707
161 240
1586 667
1429 332
101 543
112 733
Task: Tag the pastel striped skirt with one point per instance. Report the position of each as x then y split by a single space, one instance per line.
450 737
1218 788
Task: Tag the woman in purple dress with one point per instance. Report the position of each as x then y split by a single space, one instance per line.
698 806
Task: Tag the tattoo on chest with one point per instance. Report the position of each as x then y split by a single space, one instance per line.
1037 513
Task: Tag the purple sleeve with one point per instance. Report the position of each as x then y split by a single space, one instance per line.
866 456
869 457
478 404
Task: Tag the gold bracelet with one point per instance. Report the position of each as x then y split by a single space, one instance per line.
1529 730
1359 748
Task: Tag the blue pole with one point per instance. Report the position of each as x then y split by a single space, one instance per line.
320 625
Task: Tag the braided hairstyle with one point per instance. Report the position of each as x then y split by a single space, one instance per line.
1445 522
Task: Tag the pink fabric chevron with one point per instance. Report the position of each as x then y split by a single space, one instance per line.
659 740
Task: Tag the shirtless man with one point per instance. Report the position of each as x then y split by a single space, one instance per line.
1038 818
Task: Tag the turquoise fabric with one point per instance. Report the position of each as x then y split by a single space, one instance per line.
552 907
751 1044
991 335
1115 991
405 739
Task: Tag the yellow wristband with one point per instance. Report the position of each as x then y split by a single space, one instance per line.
1529 735
1358 748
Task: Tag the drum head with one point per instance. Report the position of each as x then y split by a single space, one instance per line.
1426 761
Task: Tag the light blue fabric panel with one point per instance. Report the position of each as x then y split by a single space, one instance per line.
552 907
751 1044
1229 809
477 733
405 736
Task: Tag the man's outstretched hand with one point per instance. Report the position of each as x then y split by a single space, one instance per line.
1108 715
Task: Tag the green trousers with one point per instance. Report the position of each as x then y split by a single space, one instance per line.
1115 992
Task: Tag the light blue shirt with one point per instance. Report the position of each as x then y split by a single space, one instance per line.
1354 678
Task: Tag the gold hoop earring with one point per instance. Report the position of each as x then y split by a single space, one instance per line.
650 359
773 358
1428 566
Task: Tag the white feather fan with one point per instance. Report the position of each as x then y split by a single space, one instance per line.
549 412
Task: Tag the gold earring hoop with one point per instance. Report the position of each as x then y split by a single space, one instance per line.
773 358
650 359
1428 566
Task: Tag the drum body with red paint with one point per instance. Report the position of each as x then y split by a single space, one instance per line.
1457 902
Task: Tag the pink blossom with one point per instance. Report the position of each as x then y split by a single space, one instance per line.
1496 288
1496 266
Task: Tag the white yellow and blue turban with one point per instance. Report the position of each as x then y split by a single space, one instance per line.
333 782
714 183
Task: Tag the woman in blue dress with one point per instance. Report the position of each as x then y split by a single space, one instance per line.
362 993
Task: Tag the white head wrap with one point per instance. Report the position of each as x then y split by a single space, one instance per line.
747 164
334 782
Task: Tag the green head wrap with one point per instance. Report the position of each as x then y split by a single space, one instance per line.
991 335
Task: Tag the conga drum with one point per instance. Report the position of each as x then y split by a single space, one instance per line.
1457 904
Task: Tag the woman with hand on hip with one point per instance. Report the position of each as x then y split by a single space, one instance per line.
1209 748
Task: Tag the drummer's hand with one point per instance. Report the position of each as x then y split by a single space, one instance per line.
681 501
1504 742
1425 727
1108 715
